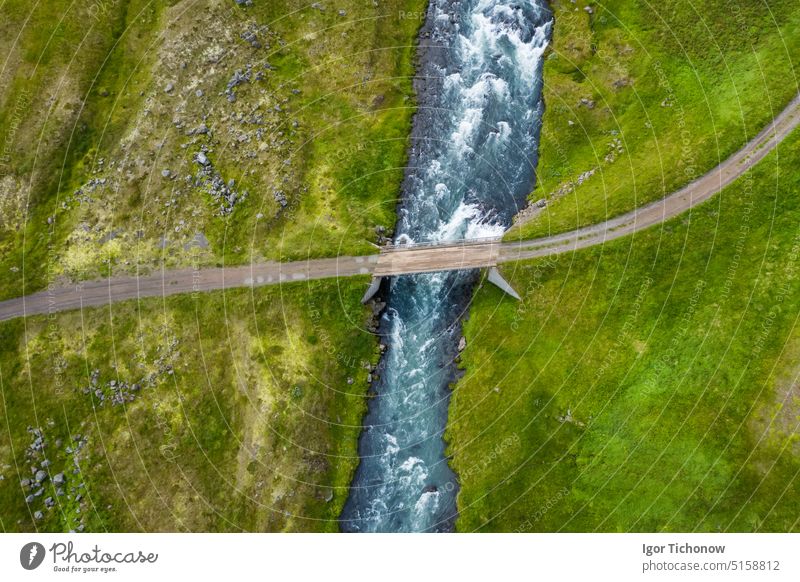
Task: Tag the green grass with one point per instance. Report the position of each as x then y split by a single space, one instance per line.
333 105
61 94
356 105
677 87
247 417
646 385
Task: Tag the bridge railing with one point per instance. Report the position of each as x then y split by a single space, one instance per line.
391 247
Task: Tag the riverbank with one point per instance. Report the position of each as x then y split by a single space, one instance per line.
227 411
130 143
644 385
642 100
647 385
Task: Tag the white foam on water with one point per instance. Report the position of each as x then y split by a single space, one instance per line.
426 505
486 117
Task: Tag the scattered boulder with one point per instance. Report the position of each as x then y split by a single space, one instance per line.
280 198
251 37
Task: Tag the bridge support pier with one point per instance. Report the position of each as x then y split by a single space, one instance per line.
374 287
497 279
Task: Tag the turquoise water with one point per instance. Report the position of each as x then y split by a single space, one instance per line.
471 168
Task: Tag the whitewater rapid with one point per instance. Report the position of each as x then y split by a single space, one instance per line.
471 168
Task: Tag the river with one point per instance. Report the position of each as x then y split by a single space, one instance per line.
471 167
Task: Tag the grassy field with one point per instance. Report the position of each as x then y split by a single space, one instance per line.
220 412
646 385
642 97
302 115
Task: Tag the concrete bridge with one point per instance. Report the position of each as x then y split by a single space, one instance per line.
437 257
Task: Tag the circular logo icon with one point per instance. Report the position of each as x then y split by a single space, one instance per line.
31 555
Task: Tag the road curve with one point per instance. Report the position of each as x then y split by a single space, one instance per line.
686 198
105 291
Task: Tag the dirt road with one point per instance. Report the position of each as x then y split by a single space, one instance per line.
662 210
404 261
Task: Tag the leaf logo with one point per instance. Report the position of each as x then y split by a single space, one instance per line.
31 555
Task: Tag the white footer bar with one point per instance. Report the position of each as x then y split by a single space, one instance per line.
385 558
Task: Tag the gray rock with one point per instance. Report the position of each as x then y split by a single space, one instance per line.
38 515
59 479
40 476
251 37
29 499
169 88
462 344
166 173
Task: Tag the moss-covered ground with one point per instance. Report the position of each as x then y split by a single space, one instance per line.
210 412
302 112
643 97
137 135
650 384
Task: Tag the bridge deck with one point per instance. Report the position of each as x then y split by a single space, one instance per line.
465 255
